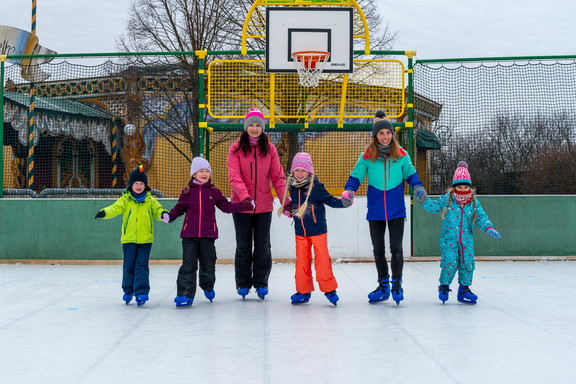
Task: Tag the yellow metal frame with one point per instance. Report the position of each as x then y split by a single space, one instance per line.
305 3
343 95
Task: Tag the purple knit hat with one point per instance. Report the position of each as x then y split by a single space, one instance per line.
199 163
303 161
462 176
254 116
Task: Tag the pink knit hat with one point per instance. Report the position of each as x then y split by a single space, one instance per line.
461 176
303 161
254 116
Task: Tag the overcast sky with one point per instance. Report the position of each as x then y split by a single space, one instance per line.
435 29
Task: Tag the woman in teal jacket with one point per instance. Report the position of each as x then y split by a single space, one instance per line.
138 208
387 166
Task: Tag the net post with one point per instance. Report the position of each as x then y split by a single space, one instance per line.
2 59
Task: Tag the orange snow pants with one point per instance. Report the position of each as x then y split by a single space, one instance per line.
322 264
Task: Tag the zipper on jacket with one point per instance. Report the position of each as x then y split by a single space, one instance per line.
313 214
127 220
385 186
200 209
302 217
460 239
255 174
151 221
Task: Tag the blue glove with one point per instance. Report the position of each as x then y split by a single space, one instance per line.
492 232
420 194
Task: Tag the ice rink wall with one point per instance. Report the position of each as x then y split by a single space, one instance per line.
65 229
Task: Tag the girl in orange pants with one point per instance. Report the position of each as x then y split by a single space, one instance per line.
307 208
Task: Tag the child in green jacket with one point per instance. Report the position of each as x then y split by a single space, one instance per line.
138 207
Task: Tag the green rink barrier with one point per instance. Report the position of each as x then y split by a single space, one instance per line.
65 229
529 225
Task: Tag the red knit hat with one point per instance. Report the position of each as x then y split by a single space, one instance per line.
462 176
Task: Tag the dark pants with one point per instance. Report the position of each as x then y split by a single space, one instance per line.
196 250
377 232
252 267
136 273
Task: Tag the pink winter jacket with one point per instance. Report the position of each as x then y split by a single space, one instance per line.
250 176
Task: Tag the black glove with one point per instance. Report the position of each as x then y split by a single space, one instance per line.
100 215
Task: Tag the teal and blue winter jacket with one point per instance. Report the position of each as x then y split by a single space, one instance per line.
385 184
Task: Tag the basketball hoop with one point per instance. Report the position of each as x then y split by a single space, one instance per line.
310 65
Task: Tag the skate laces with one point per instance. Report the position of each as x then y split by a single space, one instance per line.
444 289
397 285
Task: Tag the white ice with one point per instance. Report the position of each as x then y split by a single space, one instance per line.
68 324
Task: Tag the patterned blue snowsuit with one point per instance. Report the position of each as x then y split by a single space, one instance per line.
457 237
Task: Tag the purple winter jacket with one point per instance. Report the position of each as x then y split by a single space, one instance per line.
198 201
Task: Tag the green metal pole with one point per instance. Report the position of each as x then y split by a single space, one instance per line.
2 58
410 106
201 123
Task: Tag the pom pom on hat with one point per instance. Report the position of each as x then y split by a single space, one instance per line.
199 163
381 122
138 174
255 116
462 176
303 161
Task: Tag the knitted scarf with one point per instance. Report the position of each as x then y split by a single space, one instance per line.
463 197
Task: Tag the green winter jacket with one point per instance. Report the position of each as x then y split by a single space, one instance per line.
137 223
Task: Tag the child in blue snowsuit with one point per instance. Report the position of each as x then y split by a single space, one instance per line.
460 211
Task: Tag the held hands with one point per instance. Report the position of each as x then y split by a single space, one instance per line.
100 215
288 210
420 194
492 232
248 205
348 198
165 216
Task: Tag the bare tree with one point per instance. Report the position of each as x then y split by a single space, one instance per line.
190 25
174 26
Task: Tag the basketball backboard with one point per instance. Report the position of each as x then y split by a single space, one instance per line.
290 30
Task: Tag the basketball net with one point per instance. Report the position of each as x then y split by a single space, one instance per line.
310 65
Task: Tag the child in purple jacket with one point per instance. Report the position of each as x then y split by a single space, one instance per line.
199 231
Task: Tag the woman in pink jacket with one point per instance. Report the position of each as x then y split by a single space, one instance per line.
252 164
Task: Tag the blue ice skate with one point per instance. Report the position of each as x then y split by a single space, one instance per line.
300 298
397 291
332 297
141 300
443 292
210 294
183 301
243 292
465 295
128 297
261 292
382 293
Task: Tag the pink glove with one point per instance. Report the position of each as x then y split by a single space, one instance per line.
348 198
288 214
165 217
348 194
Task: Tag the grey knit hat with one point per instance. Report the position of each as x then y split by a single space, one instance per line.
254 116
381 122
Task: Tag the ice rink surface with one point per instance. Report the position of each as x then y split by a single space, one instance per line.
68 324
